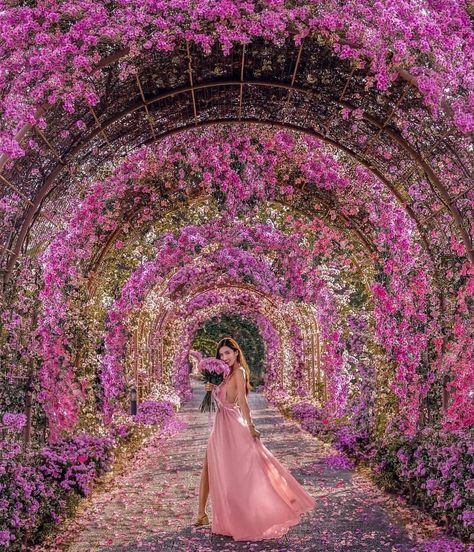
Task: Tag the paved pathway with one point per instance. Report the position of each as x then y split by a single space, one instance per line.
151 505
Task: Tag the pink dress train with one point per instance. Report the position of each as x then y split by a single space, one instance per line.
253 496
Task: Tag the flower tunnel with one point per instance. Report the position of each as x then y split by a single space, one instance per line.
302 262
269 163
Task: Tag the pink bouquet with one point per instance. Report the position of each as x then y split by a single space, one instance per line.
213 371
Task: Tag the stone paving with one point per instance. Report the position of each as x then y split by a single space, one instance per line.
151 505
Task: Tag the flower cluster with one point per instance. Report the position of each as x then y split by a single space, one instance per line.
435 49
74 463
36 485
14 422
339 462
152 412
10 210
434 469
316 420
440 544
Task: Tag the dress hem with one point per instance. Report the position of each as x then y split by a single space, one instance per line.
283 529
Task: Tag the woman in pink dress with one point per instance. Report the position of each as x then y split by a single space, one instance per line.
254 497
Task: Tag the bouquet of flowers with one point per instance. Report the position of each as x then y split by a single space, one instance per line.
213 371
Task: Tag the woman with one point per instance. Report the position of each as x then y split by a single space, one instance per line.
253 496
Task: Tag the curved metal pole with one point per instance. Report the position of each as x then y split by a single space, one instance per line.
167 315
123 52
47 186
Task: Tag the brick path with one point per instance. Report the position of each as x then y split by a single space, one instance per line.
152 504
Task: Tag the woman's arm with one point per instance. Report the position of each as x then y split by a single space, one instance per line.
244 405
242 396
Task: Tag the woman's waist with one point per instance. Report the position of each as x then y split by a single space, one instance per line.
228 406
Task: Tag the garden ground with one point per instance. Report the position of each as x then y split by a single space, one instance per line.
151 501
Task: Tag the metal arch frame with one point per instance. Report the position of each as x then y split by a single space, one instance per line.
165 317
350 227
106 246
313 332
123 52
202 288
313 372
316 343
47 186
389 185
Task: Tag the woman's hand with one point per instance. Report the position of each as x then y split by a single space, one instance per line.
209 386
254 432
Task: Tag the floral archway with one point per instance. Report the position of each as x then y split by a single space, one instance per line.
306 164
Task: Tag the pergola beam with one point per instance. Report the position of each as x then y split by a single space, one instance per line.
333 114
191 82
45 188
386 122
99 126
145 106
3 248
241 94
292 84
49 145
434 214
25 198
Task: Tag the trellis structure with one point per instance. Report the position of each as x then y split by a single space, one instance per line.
147 345
303 87
345 235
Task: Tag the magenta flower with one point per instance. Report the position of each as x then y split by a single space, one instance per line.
213 365
14 422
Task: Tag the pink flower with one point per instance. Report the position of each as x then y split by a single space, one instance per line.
213 365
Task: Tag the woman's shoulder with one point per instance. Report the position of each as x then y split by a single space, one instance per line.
241 370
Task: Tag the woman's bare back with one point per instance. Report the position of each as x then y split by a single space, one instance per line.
231 390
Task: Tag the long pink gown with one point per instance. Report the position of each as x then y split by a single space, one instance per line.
253 496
